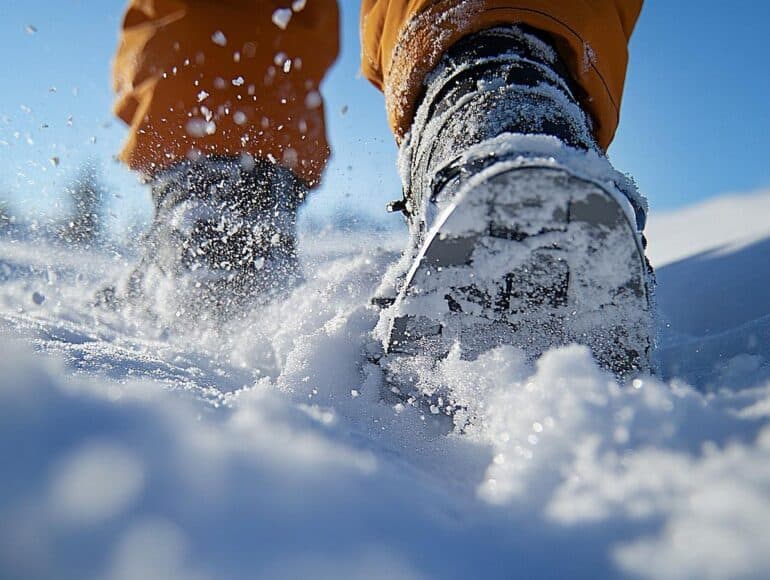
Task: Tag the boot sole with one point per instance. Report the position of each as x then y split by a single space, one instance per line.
532 257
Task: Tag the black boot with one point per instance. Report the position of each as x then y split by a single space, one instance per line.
522 232
223 237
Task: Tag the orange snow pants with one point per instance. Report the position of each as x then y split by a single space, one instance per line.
228 77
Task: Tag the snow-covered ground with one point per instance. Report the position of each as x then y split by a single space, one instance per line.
132 450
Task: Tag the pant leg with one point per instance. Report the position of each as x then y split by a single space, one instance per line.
403 40
210 77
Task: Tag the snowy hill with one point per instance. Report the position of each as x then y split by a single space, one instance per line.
134 449
713 268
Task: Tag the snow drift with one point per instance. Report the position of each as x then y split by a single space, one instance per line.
136 449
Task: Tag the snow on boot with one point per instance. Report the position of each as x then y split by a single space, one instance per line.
521 231
223 237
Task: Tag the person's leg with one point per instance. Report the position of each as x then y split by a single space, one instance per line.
227 123
221 78
403 40
522 232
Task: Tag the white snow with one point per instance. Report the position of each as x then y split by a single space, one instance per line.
95 483
719 223
219 38
313 100
281 17
137 449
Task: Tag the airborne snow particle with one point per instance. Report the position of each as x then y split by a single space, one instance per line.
247 162
202 96
290 157
238 81
55 161
200 128
219 38
38 298
298 5
281 18
313 100
29 29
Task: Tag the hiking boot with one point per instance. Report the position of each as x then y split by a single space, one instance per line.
521 232
223 237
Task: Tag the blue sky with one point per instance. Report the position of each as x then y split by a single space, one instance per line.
695 121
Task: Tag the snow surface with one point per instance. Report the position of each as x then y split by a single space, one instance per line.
139 449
